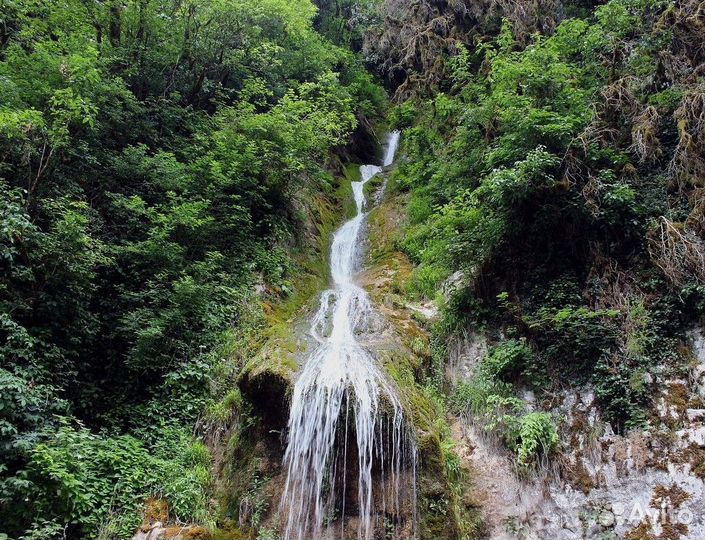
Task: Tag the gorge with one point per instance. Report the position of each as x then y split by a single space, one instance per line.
352 269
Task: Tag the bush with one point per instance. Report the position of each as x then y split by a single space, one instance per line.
573 339
475 396
402 116
490 398
528 435
425 281
536 436
506 360
88 482
620 389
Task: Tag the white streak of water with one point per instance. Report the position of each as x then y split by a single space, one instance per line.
343 397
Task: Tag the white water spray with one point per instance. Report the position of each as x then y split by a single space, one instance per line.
342 393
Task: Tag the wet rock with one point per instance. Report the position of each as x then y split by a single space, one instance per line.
606 518
528 396
153 532
587 397
697 337
158 531
428 310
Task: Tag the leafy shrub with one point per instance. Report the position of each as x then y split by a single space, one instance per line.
425 280
24 413
25 417
507 359
501 414
88 482
419 208
402 116
474 397
536 435
577 334
490 399
620 390
668 99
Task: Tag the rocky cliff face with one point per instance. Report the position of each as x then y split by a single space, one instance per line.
640 485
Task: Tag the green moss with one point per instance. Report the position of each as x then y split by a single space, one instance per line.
443 512
373 185
232 532
278 344
351 174
240 471
221 411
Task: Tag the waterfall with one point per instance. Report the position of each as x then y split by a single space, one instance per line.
344 405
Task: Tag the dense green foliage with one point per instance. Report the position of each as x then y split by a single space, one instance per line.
155 160
159 160
100 483
345 21
490 399
556 181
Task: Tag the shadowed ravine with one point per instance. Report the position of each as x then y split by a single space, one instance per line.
344 405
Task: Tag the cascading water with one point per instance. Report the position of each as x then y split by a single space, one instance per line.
342 393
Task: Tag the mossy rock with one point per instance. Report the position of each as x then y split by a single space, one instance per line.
442 509
267 378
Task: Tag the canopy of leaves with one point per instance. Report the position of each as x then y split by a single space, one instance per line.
547 180
154 158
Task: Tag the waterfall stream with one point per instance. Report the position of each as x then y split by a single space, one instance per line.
346 423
